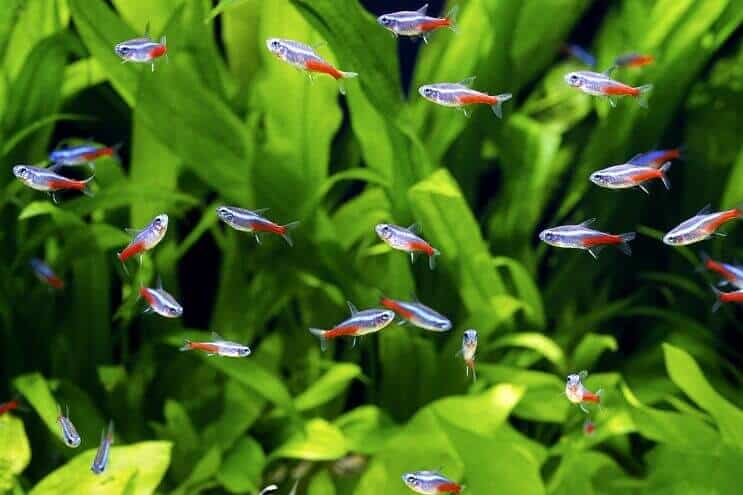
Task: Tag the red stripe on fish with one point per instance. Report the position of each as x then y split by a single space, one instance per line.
8 406
397 308
591 397
323 67
720 269
449 488
158 51
601 240
204 346
481 98
268 227
620 90
98 153
131 250
421 246
723 217
736 296
55 282
147 296
647 175
341 332
59 184
434 24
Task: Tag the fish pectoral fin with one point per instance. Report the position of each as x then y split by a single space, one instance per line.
466 112
720 234
644 189
594 251
257 237
612 102
353 342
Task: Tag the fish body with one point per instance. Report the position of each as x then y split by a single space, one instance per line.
418 314
460 94
145 239
580 53
305 58
6 407
581 236
656 158
359 324
727 297
252 221
80 155
45 273
633 60
600 84
701 226
142 50
48 180
218 347
430 483
733 274
469 349
629 175
69 433
417 23
161 302
100 461
408 240
578 394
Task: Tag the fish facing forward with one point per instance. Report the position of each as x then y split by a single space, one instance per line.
418 314
218 347
142 50
600 84
69 433
408 240
628 175
252 221
581 236
733 274
49 181
45 273
468 351
359 324
578 394
416 23
460 94
305 58
146 238
100 461
701 226
430 483
161 302
80 155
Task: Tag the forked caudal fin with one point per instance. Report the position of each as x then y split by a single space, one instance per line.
345 75
286 228
663 174
451 16
186 345
624 245
432 258
498 106
718 298
643 93
320 334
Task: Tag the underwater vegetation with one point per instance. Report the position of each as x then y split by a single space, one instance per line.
265 204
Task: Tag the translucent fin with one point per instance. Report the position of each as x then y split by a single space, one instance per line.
498 107
643 189
644 94
217 337
269 489
352 308
257 237
289 226
186 345
707 209
588 222
321 335
663 171
432 259
468 81
423 10
415 229
452 17
626 238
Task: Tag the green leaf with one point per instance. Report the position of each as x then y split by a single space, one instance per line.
134 469
536 342
590 348
320 441
16 452
687 375
204 471
36 391
366 429
242 467
321 484
333 383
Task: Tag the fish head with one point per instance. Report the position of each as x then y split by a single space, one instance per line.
160 224
387 21
429 92
173 309
225 214
442 325
125 50
412 481
574 79
548 236
674 238
469 339
573 383
600 179
243 351
384 231
277 46
384 318
23 173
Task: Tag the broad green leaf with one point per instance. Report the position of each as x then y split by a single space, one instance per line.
685 373
366 429
716 470
525 288
586 472
134 469
36 391
16 452
333 383
240 37
319 441
590 348
242 467
536 342
203 472
321 484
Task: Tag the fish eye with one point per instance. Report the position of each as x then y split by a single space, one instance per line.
428 92
173 311
385 20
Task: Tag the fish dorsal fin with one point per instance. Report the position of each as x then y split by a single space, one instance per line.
132 231
159 283
318 45
147 29
583 374
707 209
260 211
631 161
352 308
414 297
217 337
423 10
468 81
415 228
55 167
609 71
588 222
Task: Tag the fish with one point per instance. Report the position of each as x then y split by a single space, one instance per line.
408 240
304 57
418 314
252 221
579 394
142 50
469 348
733 274
581 236
633 60
146 238
600 84
430 483
735 296
269 489
589 427
580 53
11 405
656 158
359 324
45 273
49 181
460 94
161 302
629 175
701 226
80 155
69 433
100 461
417 23
218 347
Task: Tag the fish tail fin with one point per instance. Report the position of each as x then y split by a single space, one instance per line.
286 228
451 16
432 258
186 345
643 93
704 258
86 186
345 75
624 245
349 75
320 334
663 174
718 296
498 106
